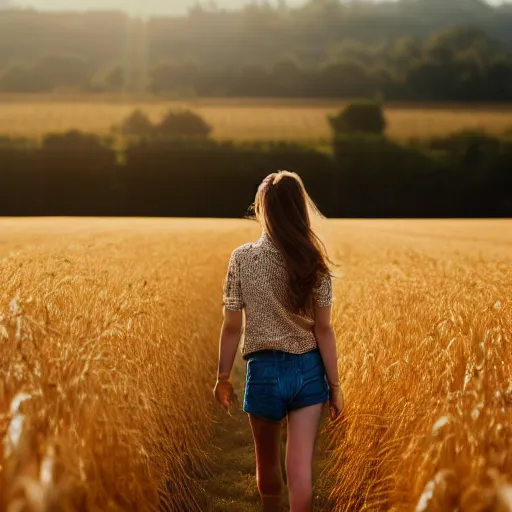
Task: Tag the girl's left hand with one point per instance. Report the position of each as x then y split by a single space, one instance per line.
336 402
225 394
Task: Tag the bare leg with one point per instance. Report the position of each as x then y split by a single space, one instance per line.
302 431
267 442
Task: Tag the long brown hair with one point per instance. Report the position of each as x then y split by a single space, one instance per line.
282 207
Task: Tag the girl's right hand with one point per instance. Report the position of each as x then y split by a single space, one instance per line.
336 401
225 394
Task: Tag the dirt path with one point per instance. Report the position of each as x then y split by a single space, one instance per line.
232 486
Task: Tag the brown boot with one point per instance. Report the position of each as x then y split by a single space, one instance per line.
272 503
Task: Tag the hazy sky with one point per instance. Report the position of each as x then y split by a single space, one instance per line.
141 7
133 6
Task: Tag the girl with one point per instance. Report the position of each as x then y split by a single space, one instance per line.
283 285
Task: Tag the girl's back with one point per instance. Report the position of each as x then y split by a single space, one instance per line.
258 281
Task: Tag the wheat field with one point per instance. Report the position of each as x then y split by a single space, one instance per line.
108 344
243 120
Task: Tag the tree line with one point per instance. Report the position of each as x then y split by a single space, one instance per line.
366 175
406 50
459 64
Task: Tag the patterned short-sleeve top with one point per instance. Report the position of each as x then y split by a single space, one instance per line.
257 282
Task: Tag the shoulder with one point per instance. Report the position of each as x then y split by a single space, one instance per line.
243 251
323 279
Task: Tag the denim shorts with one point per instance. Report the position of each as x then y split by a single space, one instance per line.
279 382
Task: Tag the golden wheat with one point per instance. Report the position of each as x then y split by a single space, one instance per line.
108 341
424 327
107 348
243 120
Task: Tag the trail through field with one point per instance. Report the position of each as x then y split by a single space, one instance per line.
232 485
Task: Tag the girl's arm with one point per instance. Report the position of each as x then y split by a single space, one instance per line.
229 338
326 340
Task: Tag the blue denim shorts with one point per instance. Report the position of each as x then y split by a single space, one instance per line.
278 382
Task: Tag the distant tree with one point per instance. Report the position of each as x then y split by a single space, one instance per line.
286 77
111 77
183 124
443 46
351 50
386 82
345 80
173 77
452 11
405 51
115 77
429 80
74 139
499 78
361 116
52 72
137 123
251 80
18 78
456 65
45 75
163 78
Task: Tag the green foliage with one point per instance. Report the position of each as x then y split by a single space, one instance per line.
183 124
362 116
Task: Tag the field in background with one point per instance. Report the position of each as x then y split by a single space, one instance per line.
306 121
112 336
